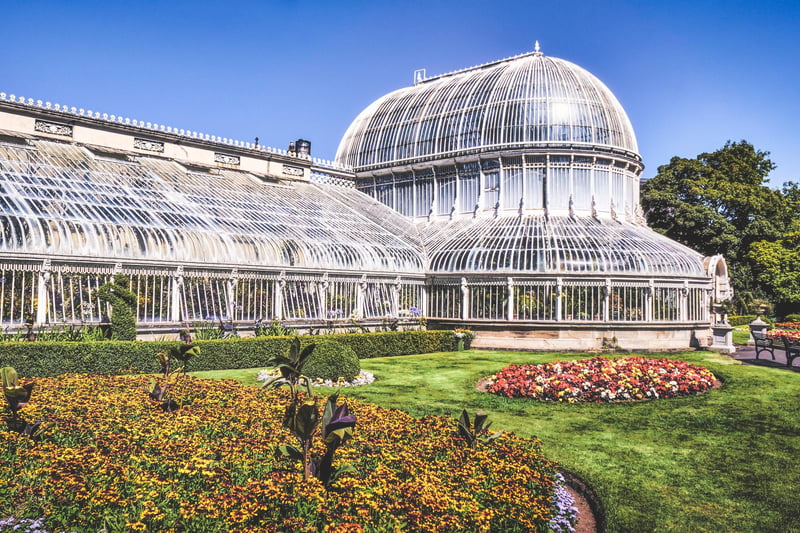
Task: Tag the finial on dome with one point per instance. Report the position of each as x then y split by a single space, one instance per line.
536 50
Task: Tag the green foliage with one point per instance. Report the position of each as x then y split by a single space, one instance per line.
123 302
302 420
67 333
472 432
776 265
720 461
291 367
718 203
332 360
273 329
741 320
169 360
16 395
130 357
792 317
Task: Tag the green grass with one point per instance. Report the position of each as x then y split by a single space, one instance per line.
741 334
728 460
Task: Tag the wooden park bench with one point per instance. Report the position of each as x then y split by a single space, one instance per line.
765 344
769 345
792 348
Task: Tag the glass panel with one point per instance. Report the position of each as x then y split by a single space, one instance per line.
535 302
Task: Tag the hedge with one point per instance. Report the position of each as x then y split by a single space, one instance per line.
46 359
741 320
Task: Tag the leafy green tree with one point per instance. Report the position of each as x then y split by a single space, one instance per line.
719 203
777 267
123 302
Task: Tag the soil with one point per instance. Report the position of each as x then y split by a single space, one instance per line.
591 517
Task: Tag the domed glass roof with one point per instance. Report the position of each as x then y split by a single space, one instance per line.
527 101
555 245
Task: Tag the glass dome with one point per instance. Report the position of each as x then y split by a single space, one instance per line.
555 246
523 102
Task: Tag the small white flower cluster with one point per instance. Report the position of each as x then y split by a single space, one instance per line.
363 378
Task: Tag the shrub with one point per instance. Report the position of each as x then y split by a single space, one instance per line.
128 357
332 360
122 300
794 317
741 320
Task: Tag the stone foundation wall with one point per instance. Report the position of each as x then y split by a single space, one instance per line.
573 337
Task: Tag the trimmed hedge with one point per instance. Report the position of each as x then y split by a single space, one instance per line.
132 357
740 320
332 360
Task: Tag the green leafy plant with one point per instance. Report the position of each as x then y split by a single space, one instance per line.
337 428
122 300
290 368
182 353
17 396
273 329
472 432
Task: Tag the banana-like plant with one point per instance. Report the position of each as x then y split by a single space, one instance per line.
476 431
290 368
159 389
17 396
337 428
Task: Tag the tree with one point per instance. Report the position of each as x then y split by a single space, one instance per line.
718 203
776 266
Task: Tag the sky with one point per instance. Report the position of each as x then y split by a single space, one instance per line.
690 74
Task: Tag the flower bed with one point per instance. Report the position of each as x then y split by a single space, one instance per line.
602 380
109 457
792 335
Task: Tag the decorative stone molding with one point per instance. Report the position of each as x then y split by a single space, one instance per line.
226 159
150 146
53 128
292 171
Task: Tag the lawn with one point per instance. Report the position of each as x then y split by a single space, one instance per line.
723 461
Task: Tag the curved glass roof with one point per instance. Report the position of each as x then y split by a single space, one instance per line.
527 101
58 199
555 245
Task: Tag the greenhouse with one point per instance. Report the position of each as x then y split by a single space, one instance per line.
522 176
503 198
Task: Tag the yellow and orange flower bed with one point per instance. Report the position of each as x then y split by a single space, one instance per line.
602 380
108 456
787 330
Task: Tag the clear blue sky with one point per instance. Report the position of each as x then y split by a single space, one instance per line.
691 74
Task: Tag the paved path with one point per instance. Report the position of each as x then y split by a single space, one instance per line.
747 354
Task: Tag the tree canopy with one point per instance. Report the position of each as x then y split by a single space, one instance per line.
720 203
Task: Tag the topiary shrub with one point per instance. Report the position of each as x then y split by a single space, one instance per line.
332 360
123 302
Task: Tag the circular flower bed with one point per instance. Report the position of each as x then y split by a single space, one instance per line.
107 456
602 380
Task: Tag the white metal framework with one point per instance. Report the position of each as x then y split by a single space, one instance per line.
505 195
529 100
523 178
